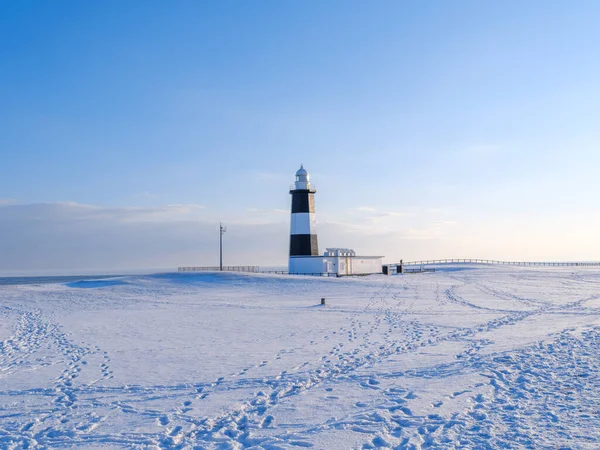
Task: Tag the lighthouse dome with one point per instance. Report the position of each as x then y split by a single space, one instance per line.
302 172
302 178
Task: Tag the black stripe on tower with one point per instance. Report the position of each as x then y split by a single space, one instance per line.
304 245
303 201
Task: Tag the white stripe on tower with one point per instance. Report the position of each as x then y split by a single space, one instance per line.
303 223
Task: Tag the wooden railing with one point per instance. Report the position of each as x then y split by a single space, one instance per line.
253 269
493 261
217 269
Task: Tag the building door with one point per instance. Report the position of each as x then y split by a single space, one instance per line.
329 267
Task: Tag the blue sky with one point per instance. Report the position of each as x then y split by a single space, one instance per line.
431 129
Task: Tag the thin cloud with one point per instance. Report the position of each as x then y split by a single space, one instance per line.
79 211
145 195
396 214
72 236
268 211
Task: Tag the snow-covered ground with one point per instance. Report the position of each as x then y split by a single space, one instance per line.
462 358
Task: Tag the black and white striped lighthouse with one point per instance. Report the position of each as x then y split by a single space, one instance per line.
303 233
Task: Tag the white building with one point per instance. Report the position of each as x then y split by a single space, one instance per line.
304 250
343 261
336 261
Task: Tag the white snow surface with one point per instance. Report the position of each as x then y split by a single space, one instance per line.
466 357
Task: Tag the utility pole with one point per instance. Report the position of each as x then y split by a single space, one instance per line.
222 230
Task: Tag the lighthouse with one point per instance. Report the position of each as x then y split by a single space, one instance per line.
304 249
303 232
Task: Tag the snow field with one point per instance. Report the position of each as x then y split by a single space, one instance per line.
462 358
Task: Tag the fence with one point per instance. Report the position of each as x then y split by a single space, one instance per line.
310 274
217 269
492 261
396 269
420 270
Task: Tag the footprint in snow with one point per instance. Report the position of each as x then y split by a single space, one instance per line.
301 444
267 422
28 427
479 398
478 415
175 431
163 420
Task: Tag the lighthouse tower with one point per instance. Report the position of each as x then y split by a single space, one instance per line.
303 233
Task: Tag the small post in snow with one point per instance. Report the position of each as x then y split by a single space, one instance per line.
322 300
